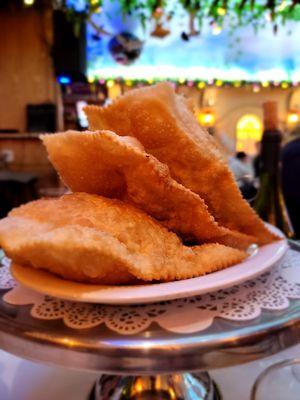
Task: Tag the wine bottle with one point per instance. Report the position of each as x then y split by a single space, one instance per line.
269 203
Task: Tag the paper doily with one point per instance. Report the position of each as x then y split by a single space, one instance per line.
271 291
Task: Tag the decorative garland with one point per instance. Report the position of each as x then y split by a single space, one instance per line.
237 12
199 84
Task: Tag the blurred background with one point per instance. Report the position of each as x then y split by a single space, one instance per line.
229 57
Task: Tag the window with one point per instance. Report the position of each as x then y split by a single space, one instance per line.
248 133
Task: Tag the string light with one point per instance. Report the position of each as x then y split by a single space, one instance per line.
221 11
201 85
110 83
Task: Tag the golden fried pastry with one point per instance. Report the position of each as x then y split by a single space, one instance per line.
110 165
89 238
163 123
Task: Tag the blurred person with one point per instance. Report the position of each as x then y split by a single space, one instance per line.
242 170
240 165
290 158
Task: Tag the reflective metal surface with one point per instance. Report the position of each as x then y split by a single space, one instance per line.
160 387
154 351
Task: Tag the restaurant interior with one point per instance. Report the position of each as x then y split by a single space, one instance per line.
234 66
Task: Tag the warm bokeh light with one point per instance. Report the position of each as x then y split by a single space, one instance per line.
207 117
201 85
248 132
110 83
114 91
293 117
221 11
28 2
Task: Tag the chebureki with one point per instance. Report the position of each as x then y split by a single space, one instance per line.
163 122
89 238
147 173
110 165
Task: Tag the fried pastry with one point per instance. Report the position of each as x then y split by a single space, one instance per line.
110 165
163 123
89 238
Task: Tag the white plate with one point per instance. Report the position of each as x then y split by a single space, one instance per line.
47 283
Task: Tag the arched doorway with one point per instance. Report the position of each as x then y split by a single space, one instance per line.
248 133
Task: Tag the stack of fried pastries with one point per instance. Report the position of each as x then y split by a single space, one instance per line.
152 199
90 238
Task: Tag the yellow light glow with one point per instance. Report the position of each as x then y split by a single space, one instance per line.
91 79
28 2
219 82
248 133
150 81
282 6
293 117
172 393
128 82
221 11
114 92
265 84
201 85
207 118
217 30
94 2
237 84
181 80
138 386
284 85
110 83
256 89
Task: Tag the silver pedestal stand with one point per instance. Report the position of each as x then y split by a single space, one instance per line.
165 387
153 364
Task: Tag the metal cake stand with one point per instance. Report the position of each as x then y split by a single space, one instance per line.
154 364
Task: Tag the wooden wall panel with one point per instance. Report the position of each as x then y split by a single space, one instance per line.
26 68
30 156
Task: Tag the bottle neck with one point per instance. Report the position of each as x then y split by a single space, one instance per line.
270 152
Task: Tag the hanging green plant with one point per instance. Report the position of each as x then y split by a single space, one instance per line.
237 12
